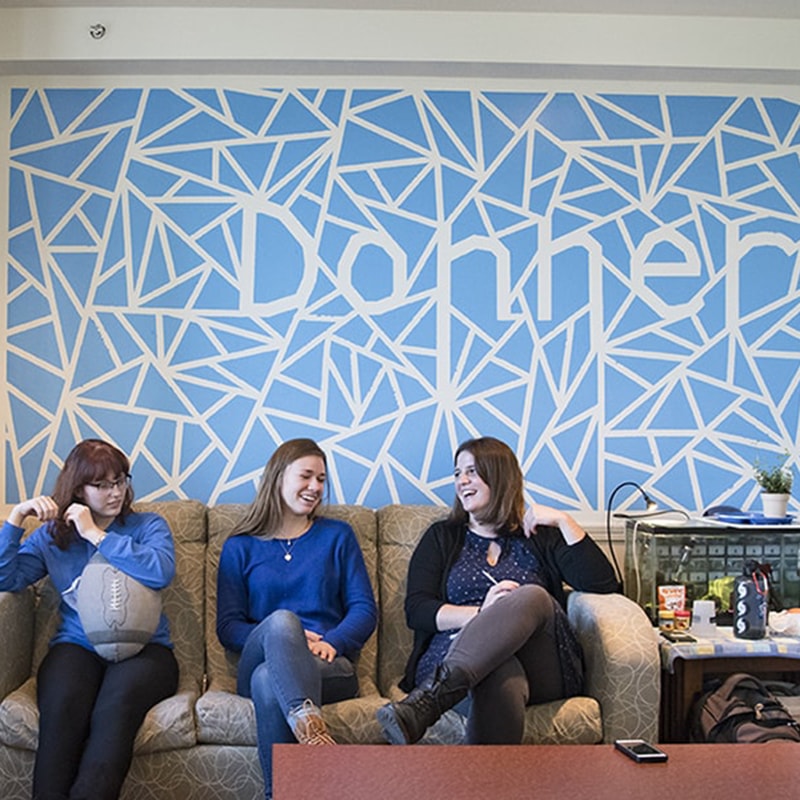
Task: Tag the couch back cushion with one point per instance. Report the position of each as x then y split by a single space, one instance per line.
221 521
182 599
400 527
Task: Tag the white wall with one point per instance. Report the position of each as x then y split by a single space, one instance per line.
51 46
30 38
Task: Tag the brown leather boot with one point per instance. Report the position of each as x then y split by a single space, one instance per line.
406 722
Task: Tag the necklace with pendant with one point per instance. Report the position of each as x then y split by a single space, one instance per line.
287 546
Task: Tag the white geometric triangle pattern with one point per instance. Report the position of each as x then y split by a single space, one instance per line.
610 283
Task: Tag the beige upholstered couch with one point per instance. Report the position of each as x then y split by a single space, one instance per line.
200 744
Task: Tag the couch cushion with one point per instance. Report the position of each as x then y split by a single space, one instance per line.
226 718
19 717
184 597
400 527
354 721
168 725
16 639
577 720
220 666
221 520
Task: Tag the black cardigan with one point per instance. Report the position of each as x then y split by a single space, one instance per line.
582 566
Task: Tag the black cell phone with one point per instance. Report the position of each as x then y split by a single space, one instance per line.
640 751
677 636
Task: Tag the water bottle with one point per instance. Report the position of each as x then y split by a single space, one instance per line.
750 596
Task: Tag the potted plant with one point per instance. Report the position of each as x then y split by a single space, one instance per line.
776 485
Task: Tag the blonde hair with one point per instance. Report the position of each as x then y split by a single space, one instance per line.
499 469
265 515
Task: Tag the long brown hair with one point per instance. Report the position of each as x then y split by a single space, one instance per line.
499 469
89 461
265 515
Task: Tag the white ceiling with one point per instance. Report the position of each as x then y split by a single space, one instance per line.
722 8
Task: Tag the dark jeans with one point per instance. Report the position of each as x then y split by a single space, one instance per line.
89 712
510 655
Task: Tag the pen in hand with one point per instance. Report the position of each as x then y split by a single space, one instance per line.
490 577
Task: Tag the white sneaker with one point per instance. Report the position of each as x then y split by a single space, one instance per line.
308 726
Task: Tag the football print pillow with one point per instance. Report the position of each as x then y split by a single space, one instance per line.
118 613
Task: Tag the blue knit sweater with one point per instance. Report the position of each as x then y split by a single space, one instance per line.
325 583
140 546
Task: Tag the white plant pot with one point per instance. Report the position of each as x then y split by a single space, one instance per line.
774 505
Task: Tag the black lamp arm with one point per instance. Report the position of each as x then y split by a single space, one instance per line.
609 506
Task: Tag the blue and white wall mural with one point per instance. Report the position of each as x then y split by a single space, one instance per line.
608 282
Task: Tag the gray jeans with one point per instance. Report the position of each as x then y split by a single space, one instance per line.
510 655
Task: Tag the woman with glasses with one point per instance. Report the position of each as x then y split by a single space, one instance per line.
485 600
295 600
90 708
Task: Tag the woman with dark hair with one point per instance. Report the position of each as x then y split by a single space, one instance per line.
295 600
89 708
486 602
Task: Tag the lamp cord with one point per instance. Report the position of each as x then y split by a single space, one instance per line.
609 507
611 549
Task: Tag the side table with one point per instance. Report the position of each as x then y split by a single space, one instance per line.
686 666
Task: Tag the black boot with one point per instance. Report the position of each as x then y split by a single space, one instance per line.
406 722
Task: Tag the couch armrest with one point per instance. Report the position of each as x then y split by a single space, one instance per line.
623 668
16 639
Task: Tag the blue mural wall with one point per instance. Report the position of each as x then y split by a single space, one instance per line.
608 282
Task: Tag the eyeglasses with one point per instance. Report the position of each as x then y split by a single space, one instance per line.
109 486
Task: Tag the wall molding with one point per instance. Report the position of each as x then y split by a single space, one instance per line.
185 35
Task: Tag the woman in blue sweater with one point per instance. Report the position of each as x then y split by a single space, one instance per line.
89 708
294 598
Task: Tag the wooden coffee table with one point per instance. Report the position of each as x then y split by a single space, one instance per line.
577 772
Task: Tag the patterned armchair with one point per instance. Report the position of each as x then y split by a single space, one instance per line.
201 743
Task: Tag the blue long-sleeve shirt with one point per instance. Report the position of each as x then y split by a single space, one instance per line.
140 546
325 583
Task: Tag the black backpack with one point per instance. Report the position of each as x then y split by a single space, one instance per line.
741 710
